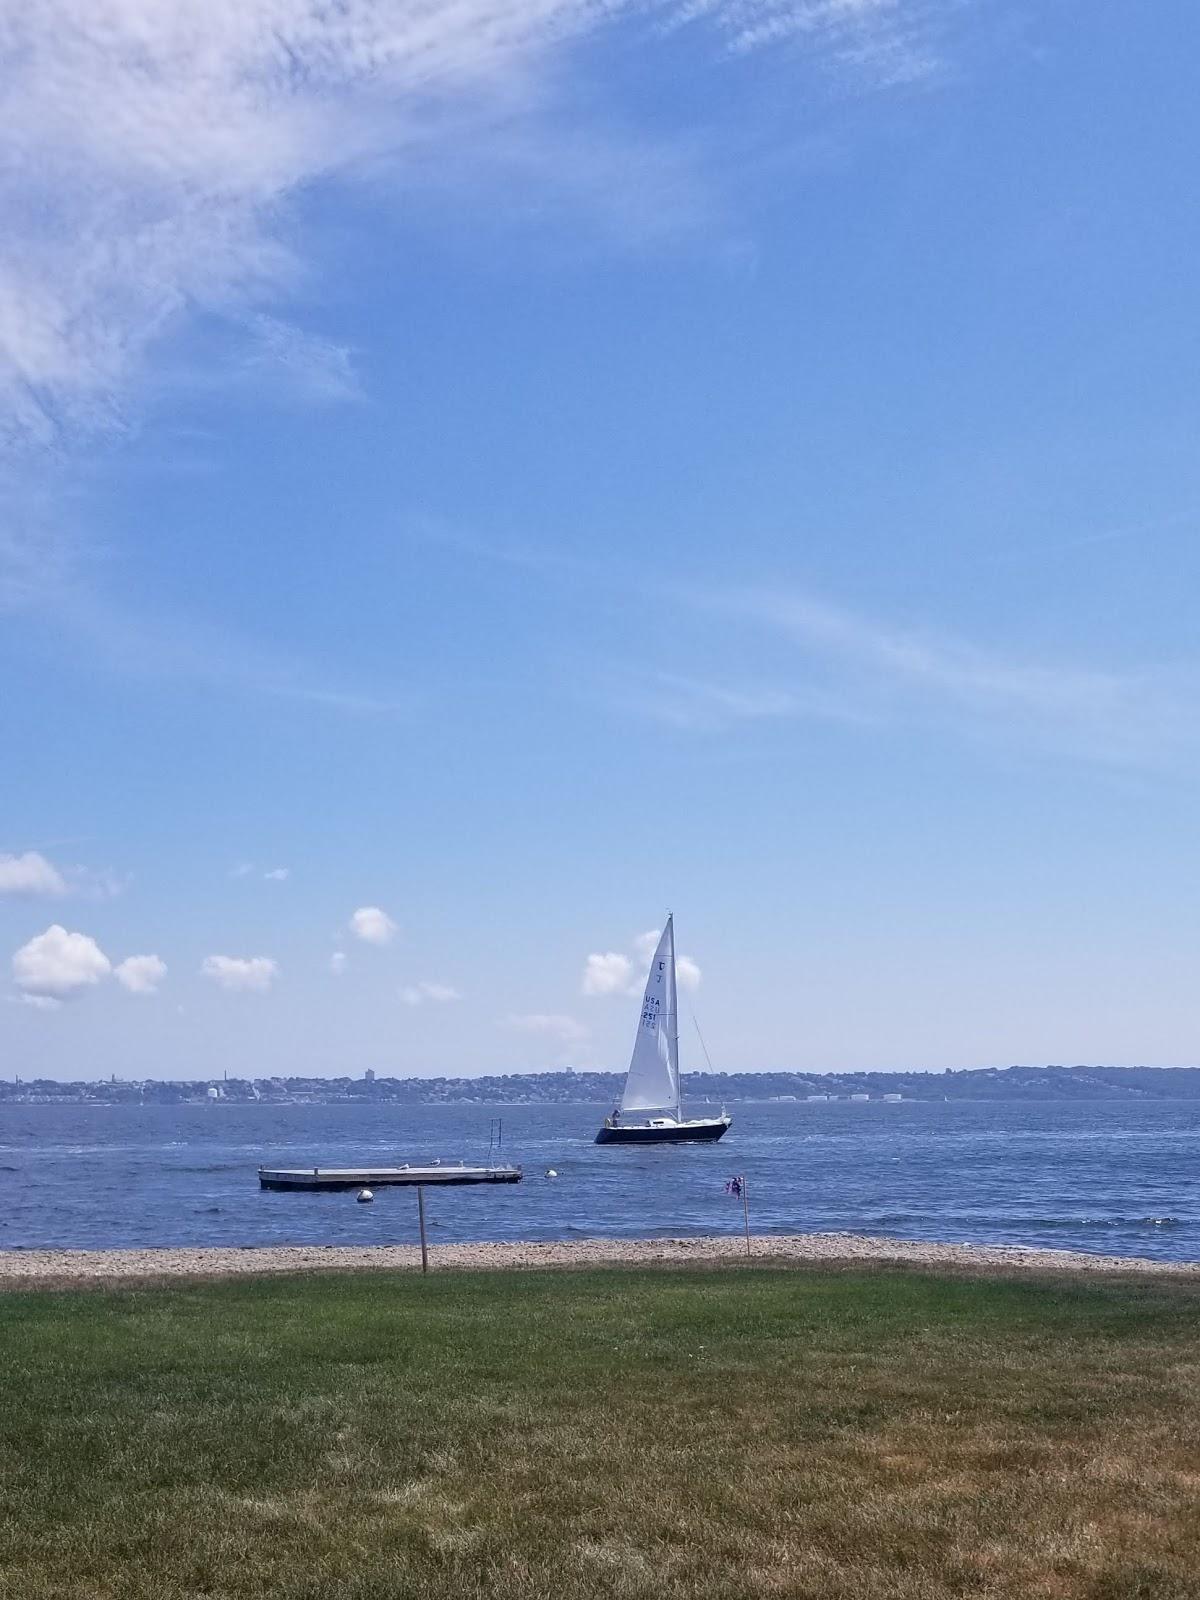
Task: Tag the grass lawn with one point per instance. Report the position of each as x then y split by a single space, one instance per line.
730 1432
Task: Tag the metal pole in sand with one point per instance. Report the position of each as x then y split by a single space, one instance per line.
746 1213
421 1219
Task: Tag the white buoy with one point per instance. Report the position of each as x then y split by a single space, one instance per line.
365 1197
550 1172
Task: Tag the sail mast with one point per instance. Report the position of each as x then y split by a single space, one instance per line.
673 1023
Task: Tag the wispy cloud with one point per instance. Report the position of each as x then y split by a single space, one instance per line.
1131 530
72 606
693 703
154 150
866 670
839 665
892 41
428 992
157 160
151 149
349 701
304 365
553 1025
36 551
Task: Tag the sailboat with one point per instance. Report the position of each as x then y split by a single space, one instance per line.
652 1083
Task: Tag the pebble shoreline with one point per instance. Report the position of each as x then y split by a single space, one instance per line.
24 1268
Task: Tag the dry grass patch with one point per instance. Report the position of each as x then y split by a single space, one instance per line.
691 1434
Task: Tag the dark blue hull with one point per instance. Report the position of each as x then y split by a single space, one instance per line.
703 1129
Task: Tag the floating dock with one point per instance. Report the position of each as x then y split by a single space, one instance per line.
442 1174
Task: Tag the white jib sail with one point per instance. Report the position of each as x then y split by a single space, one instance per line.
653 1081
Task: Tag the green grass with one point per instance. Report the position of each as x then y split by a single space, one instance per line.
667 1433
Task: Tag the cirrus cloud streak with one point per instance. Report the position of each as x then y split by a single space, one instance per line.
551 1024
155 151
417 994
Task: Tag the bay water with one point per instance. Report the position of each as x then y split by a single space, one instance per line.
1112 1177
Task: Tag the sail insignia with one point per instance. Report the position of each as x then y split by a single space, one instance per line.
653 1080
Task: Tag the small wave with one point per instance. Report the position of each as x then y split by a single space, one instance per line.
1116 1222
986 1220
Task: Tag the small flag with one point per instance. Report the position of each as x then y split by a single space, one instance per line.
734 1187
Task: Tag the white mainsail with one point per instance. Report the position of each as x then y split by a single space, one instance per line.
653 1081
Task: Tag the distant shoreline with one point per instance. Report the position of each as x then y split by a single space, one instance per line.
967 1086
22 1269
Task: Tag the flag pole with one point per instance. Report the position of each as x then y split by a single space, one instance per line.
421 1220
746 1212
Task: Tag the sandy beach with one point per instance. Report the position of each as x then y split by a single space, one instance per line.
25 1268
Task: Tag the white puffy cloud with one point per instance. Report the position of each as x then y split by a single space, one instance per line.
30 874
278 874
254 973
613 973
57 965
140 974
607 974
337 962
550 1023
372 925
687 973
416 994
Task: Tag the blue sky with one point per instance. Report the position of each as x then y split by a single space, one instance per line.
519 468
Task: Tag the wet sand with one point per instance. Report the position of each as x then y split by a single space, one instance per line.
27 1268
